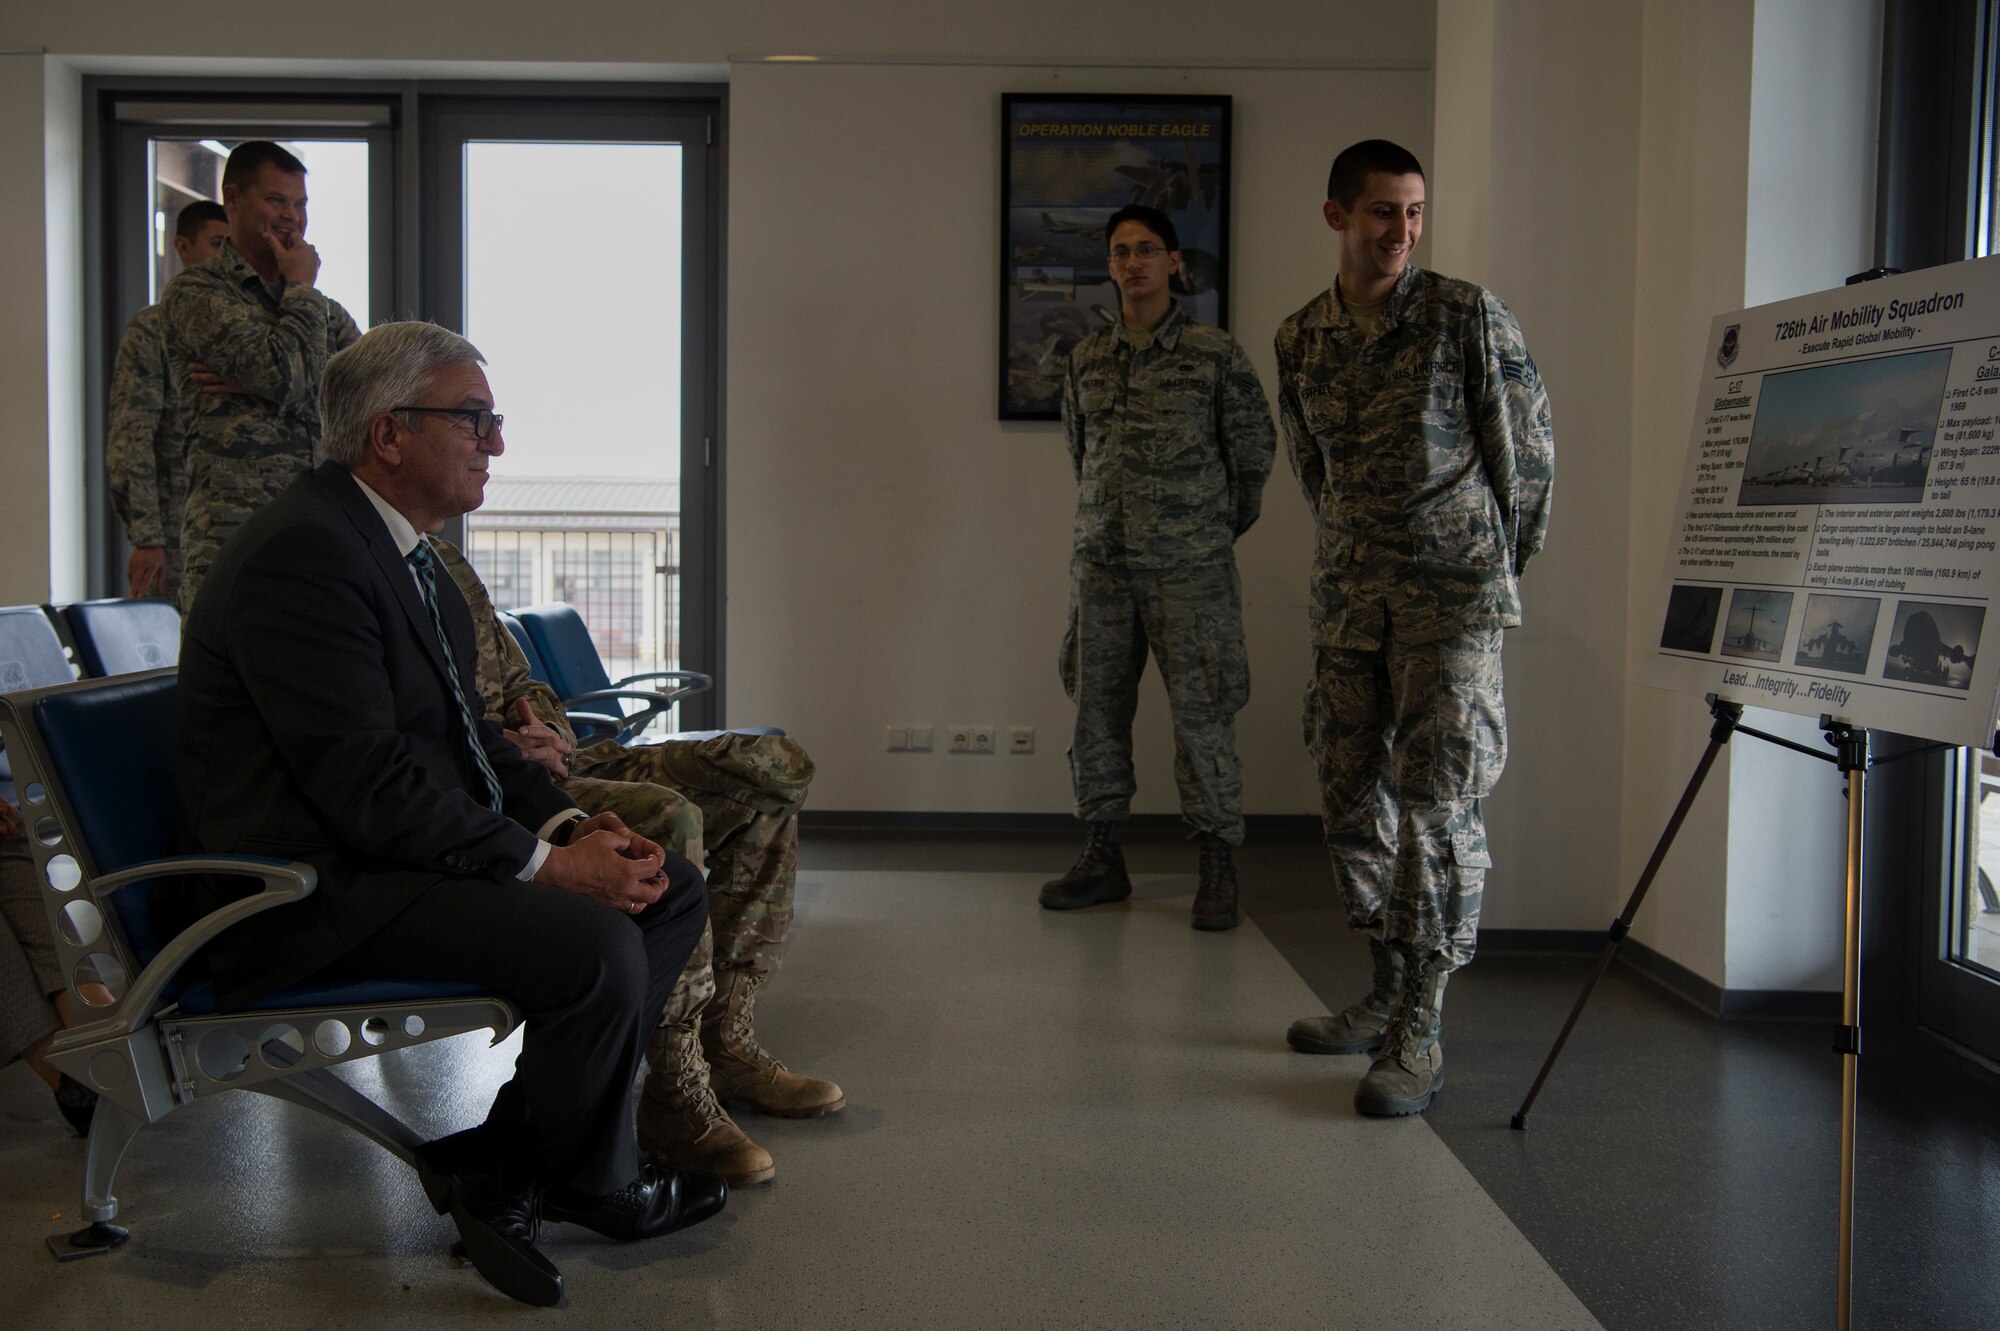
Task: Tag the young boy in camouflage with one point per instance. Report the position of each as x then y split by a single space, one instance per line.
737 797
1171 440
1420 432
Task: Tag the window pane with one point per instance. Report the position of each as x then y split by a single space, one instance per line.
583 344
584 351
1975 927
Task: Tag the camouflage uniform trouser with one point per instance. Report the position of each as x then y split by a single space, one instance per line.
173 506
1407 739
740 796
222 495
1192 620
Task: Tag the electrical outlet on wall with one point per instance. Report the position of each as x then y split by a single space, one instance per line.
965 738
1020 739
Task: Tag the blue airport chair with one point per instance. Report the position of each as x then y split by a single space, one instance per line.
95 764
589 726
31 656
576 672
123 637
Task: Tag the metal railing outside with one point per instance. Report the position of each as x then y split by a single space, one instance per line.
625 583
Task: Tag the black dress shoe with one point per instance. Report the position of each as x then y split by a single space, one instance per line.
75 1102
498 1222
661 1200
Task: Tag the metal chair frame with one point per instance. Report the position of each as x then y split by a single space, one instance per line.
143 1055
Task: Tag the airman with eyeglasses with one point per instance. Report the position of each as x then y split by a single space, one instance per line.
1171 438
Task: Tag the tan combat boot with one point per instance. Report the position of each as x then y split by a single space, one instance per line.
742 1070
1410 1072
680 1122
1359 1029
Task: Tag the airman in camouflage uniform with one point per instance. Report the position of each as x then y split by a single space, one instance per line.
1421 434
1171 440
145 435
737 797
248 337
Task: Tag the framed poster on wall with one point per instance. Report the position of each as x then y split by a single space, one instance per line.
1067 163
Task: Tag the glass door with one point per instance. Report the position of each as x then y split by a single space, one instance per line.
1958 967
163 154
571 242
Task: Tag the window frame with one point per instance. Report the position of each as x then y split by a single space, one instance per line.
401 191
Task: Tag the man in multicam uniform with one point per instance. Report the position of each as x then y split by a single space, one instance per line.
145 436
248 337
738 797
1171 439
1420 431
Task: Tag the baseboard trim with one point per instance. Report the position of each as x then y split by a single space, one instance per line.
1564 942
1141 824
1729 1004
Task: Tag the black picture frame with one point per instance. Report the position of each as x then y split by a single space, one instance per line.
1067 162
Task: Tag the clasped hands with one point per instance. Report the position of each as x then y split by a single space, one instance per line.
604 858
609 862
540 742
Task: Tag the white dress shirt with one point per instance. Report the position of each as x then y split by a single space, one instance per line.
404 536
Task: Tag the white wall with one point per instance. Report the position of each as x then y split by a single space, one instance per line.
585 32
24 338
1810 224
1756 158
1534 195
1693 207
896 553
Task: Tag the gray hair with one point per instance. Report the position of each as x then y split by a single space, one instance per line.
391 366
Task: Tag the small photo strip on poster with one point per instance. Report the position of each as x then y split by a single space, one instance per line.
1692 612
1837 633
1755 629
1934 643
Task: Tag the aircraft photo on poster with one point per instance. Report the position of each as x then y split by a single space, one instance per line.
1066 165
1856 432
1833 548
1837 632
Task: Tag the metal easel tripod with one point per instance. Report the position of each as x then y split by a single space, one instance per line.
1852 755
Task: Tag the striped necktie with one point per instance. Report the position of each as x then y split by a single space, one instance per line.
425 565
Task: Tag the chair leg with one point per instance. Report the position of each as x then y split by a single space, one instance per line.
324 1093
111 1131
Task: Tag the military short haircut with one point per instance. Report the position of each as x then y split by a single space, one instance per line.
1354 165
1152 219
196 214
249 157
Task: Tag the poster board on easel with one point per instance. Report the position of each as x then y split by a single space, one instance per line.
1833 544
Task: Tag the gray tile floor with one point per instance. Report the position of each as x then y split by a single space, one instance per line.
1064 1121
